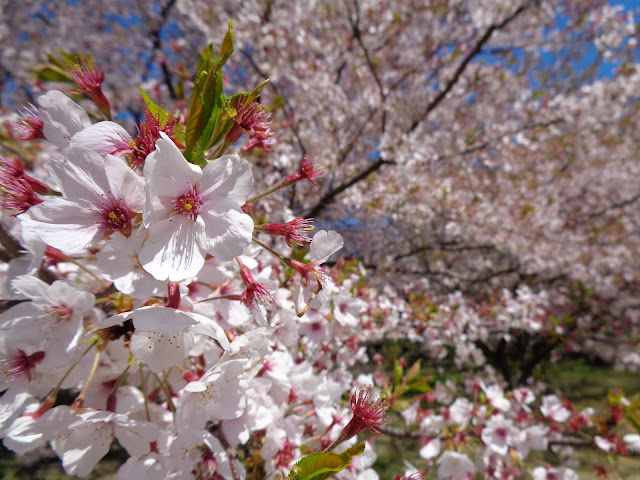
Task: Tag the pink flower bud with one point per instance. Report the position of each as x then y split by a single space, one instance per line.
293 231
17 189
29 125
89 78
366 414
255 293
309 169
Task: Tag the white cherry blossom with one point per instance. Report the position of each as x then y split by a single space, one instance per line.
100 196
192 211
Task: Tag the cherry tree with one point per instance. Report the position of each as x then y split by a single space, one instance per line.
482 177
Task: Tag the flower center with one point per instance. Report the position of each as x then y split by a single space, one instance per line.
115 216
61 313
188 204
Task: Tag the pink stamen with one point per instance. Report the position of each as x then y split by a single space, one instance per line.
115 216
309 169
254 121
89 78
256 293
17 189
188 204
366 414
22 364
29 125
294 231
148 134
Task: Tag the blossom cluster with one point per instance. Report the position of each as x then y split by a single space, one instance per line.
142 286
489 192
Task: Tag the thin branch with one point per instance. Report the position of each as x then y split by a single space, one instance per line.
10 244
285 103
614 206
448 247
463 65
157 45
231 453
330 196
399 433
357 34
344 153
497 138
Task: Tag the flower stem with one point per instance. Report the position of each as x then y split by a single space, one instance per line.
73 365
85 269
269 249
164 388
222 297
143 387
83 393
268 192
10 244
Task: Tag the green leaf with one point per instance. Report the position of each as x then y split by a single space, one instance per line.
256 91
56 68
224 123
51 73
615 397
419 385
413 372
397 372
163 116
203 100
322 465
278 102
151 105
634 418
226 49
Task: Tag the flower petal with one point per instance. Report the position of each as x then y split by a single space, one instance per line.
227 230
167 172
61 117
170 251
161 319
160 350
324 245
63 224
227 176
124 183
104 138
81 174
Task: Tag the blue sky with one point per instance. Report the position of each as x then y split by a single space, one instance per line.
627 4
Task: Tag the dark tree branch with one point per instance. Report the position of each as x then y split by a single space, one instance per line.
452 246
614 206
330 196
463 65
11 246
357 34
286 106
157 45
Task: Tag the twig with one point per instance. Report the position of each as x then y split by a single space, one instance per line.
231 452
463 65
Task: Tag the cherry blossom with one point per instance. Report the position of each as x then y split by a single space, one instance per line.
191 212
486 197
455 465
61 117
100 196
